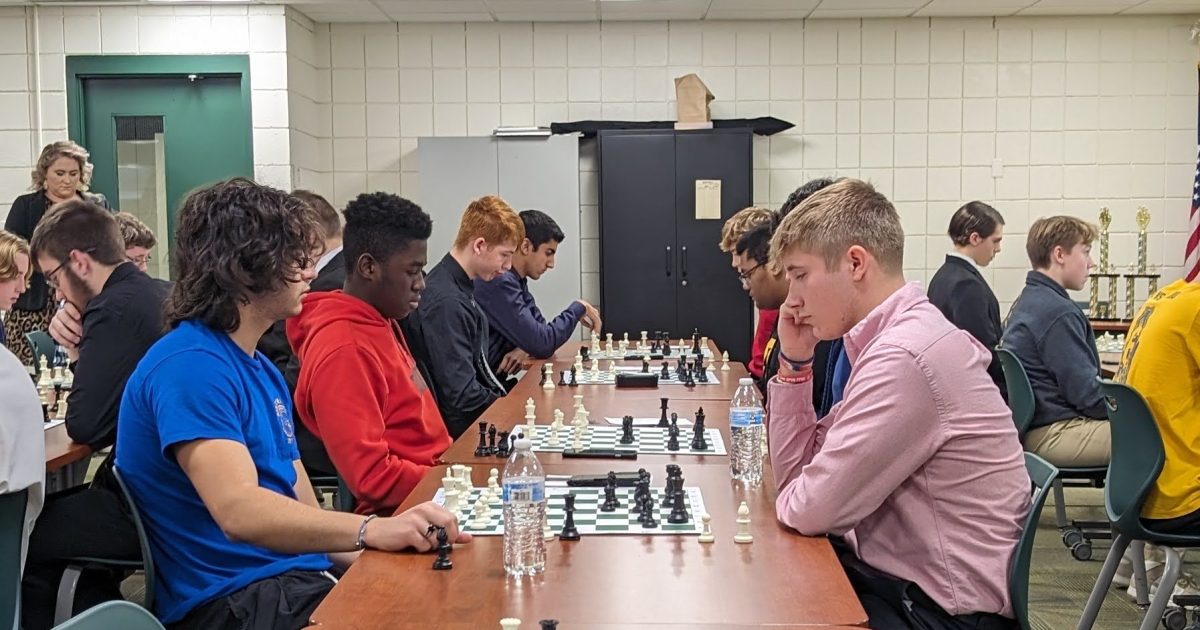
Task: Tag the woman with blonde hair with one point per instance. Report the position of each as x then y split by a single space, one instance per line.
62 172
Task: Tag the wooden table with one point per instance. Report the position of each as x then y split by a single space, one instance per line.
782 579
530 386
66 461
1116 327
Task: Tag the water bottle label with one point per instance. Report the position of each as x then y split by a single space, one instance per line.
523 492
746 417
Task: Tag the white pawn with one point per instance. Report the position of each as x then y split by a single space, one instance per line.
494 483
595 369
464 481
608 342
577 439
578 364
612 369
547 533
743 534
725 361
480 511
595 344
510 623
578 402
555 427
548 374
706 535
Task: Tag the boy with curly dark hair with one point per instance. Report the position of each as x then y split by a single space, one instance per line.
360 391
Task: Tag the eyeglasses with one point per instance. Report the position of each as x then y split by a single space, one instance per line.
50 275
745 276
144 259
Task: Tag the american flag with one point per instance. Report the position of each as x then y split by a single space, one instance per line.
1191 264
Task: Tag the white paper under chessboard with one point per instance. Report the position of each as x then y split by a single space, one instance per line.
646 440
589 520
52 424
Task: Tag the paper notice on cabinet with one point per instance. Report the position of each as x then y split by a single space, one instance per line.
708 199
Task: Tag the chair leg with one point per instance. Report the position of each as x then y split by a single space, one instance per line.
1141 585
1166 588
65 603
1060 506
1103 582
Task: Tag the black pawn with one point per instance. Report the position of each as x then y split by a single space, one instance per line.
673 438
482 449
678 509
491 440
442 562
544 378
662 419
626 430
562 378
647 517
502 449
665 374
610 498
548 624
574 378
569 532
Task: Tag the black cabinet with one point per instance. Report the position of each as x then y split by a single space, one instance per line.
660 266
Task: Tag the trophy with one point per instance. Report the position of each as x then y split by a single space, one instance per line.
1151 275
1109 310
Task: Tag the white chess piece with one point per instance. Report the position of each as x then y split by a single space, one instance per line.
706 534
494 482
595 369
480 518
725 361
530 407
645 338
57 376
68 377
449 482
703 344
578 398
44 381
577 439
62 409
595 344
548 370
510 623
743 534
612 370
578 364
451 502
547 533
464 481
608 342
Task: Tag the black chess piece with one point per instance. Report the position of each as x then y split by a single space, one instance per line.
491 440
673 438
668 499
662 419
666 344
688 381
548 624
585 353
679 512
701 370
679 368
665 374
696 342
626 430
512 442
610 494
502 448
482 449
574 377
544 378
645 365
442 562
699 443
646 518
562 378
569 531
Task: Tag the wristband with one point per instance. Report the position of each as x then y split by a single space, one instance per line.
795 365
361 544
804 377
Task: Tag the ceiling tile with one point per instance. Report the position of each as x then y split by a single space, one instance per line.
842 5
859 13
653 9
961 8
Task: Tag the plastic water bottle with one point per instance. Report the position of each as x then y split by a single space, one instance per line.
524 494
746 432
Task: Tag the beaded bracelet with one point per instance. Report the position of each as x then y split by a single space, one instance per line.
361 544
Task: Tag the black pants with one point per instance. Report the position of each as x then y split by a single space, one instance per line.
283 602
85 521
892 603
1187 524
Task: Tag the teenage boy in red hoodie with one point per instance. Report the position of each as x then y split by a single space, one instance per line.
360 391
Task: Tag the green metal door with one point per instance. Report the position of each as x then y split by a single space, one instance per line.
156 133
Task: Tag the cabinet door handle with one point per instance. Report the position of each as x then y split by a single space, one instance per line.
668 261
683 264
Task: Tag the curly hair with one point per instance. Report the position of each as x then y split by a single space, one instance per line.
740 223
381 224
134 232
235 240
55 150
10 246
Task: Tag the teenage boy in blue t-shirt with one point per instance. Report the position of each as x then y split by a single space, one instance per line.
206 441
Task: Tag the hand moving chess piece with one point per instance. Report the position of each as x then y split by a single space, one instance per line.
442 562
743 522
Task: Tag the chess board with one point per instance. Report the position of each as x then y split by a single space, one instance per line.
589 520
646 440
615 354
607 377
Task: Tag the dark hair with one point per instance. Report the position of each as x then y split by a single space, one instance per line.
78 224
540 228
381 224
973 217
756 243
331 223
236 239
800 194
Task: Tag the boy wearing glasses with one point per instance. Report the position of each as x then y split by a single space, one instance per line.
111 314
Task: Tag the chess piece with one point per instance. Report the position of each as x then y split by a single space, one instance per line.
548 372
442 562
696 341
699 433
562 379
662 419
595 372
464 482
725 361
578 365
502 448
479 513
493 482
612 369
577 439
706 535
530 409
578 398
548 624
665 374
451 503
482 449
595 345
574 377
608 343
510 623
644 338
44 380
743 534
679 513
543 381
646 518
491 440
646 364
626 430
569 531
673 438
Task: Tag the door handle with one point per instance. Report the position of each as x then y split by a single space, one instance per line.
668 261
683 264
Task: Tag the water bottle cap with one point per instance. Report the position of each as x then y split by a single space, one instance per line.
524 444
745 380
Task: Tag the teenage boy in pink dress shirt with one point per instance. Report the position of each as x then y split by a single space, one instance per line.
919 467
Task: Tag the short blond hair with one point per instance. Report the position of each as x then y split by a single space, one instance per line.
1059 231
741 222
55 150
846 213
10 246
134 232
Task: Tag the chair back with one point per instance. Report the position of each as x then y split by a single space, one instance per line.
1042 473
42 345
12 532
1135 461
112 615
1020 392
143 540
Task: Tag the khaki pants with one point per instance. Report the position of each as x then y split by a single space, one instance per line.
1078 442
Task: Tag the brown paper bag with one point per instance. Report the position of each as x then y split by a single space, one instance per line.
691 99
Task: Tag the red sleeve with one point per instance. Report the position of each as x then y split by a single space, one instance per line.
762 334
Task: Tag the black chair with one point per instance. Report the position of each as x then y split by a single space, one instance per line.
12 532
42 345
1134 465
65 603
1076 535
